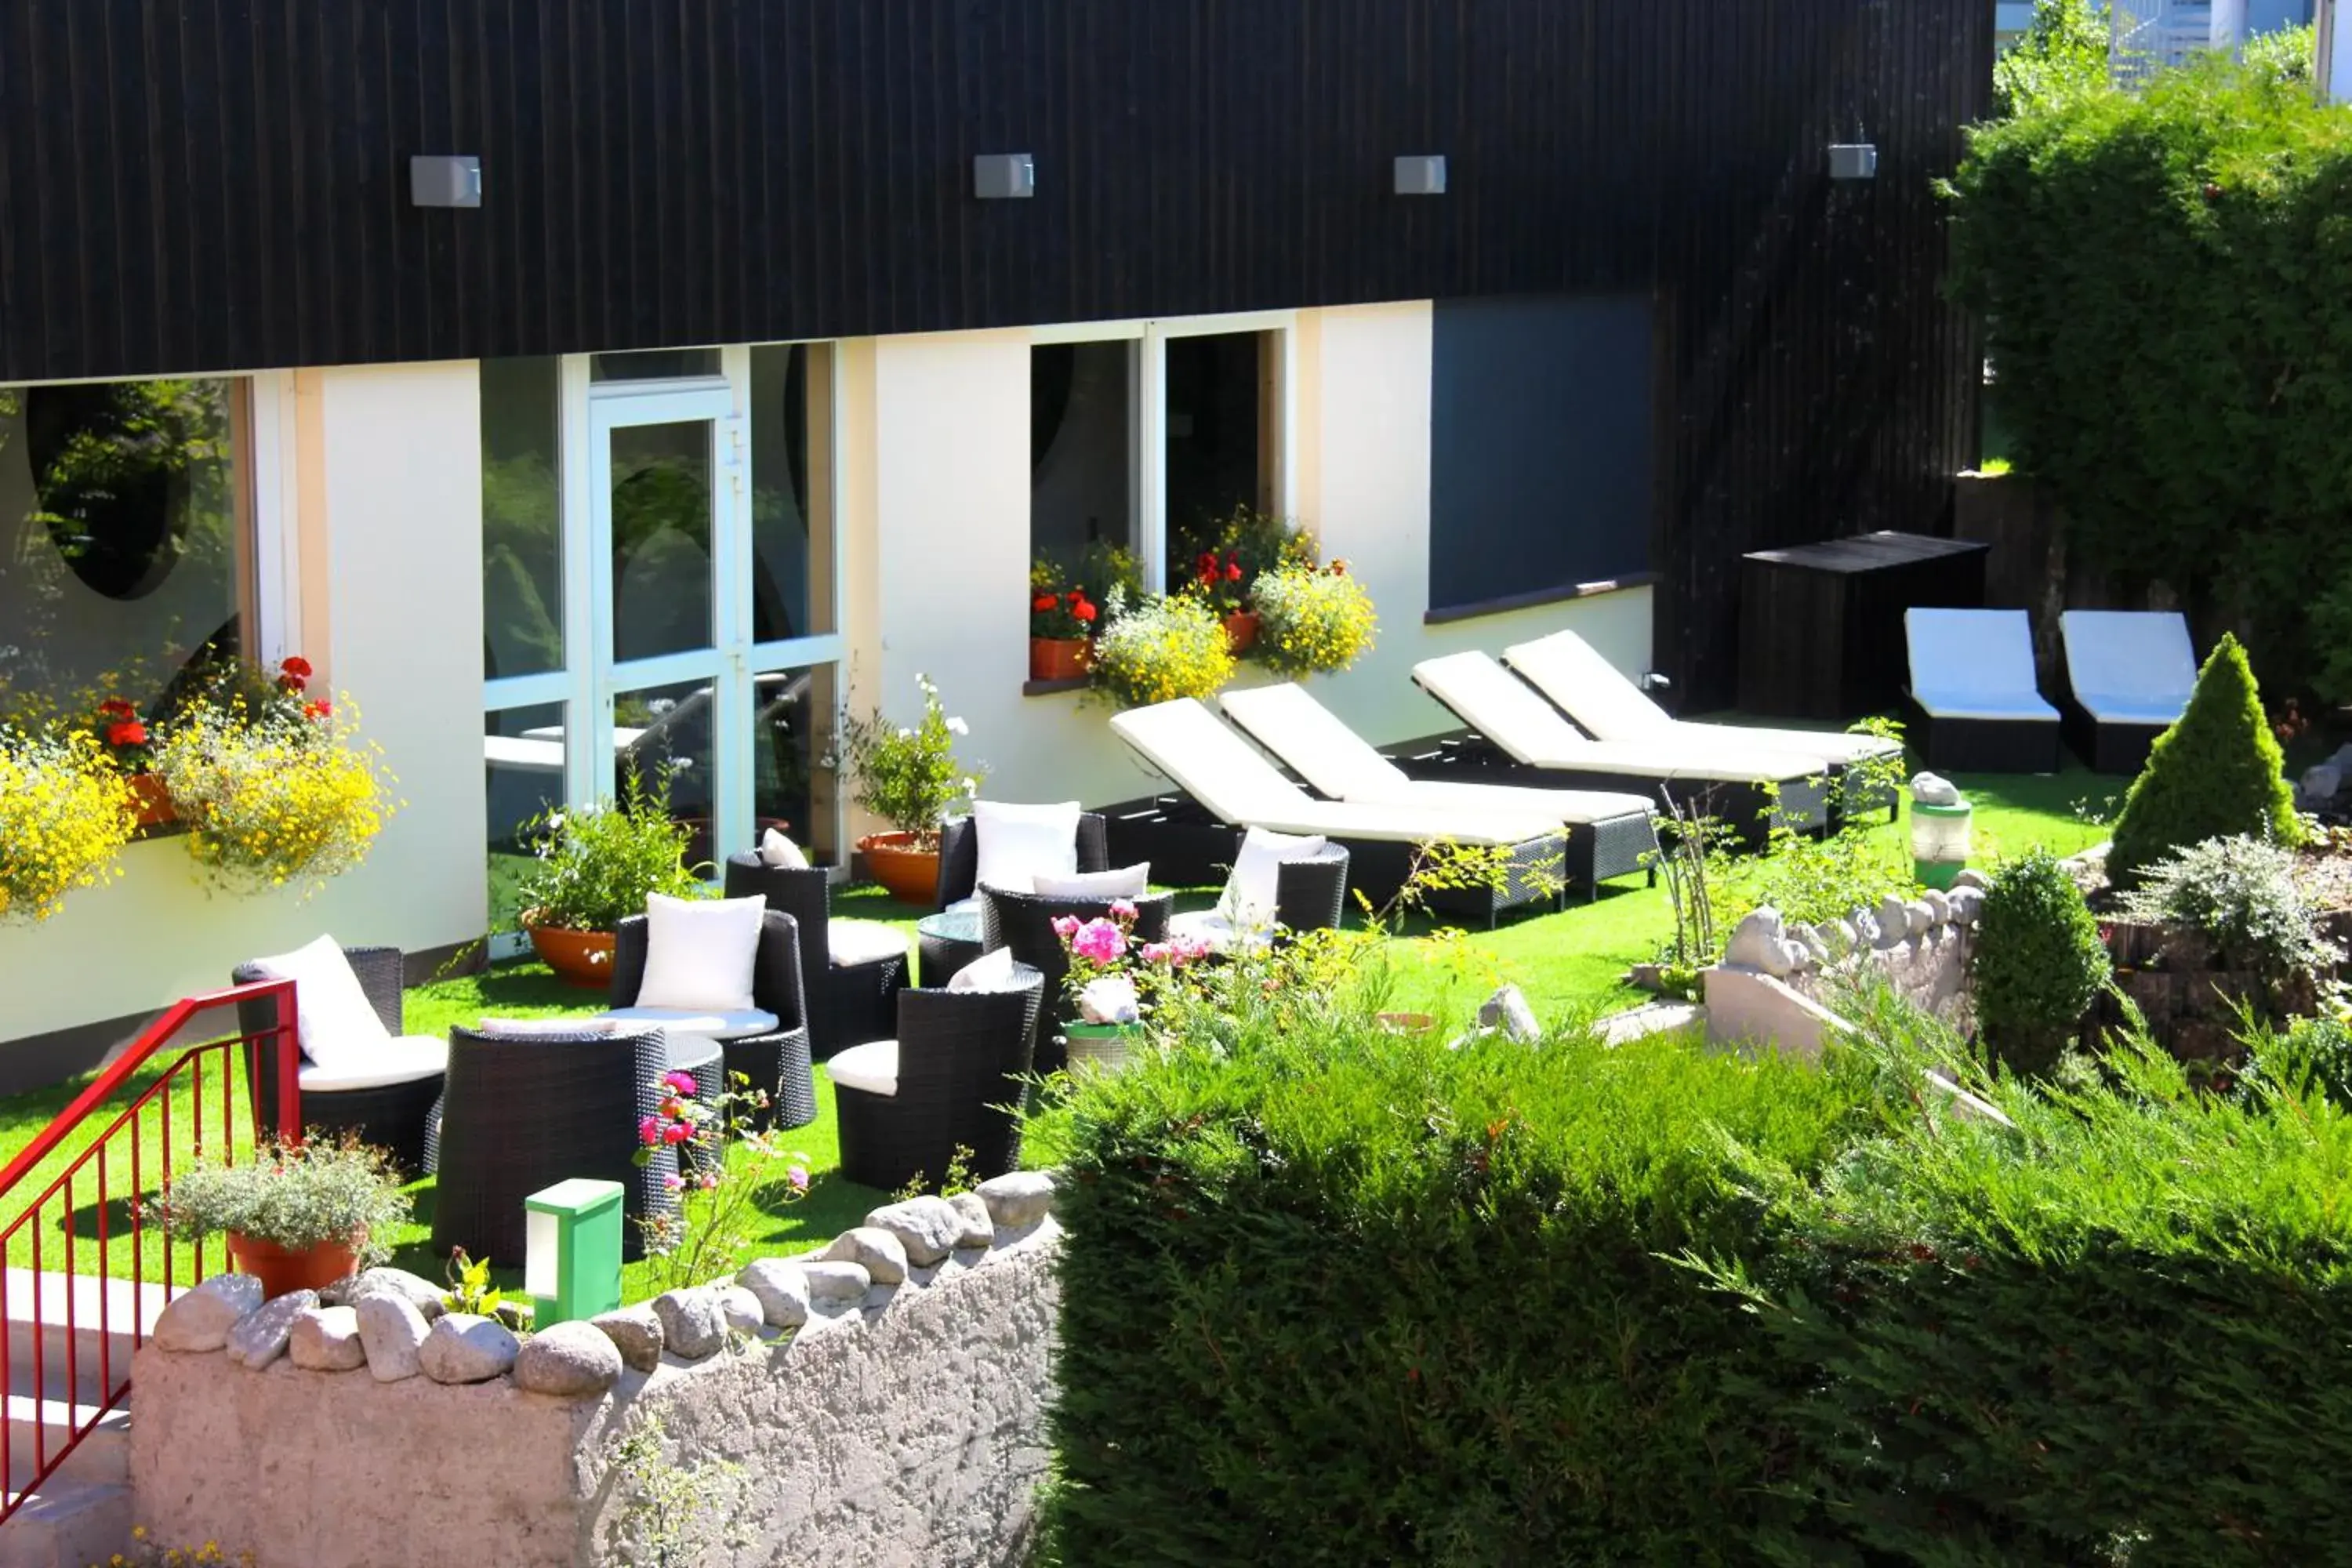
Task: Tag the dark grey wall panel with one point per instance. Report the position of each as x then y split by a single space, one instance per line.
219 185
1541 449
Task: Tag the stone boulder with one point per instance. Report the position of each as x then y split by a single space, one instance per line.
200 1319
741 1309
1018 1197
570 1360
1758 942
392 1330
693 1322
636 1334
833 1286
877 1251
463 1348
979 1228
782 1290
1934 789
326 1338
1509 1010
927 1228
262 1338
414 1288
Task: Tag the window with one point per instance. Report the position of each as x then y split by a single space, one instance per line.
1540 415
522 519
1220 447
1081 439
792 508
655 364
126 539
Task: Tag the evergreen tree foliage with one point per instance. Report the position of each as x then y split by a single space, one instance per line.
2216 773
2039 963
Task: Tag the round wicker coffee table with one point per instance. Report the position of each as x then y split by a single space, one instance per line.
945 943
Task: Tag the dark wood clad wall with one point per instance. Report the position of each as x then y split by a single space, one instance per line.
215 184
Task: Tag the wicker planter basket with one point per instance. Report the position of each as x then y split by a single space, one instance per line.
1102 1048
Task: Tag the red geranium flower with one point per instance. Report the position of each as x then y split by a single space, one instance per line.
1207 564
115 707
298 666
322 709
1042 602
1084 611
1338 569
127 735
1232 570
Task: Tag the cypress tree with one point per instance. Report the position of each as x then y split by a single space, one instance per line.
2216 773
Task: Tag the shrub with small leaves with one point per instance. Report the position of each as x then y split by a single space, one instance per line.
2216 773
2039 963
1312 621
1156 650
64 819
2240 893
293 1196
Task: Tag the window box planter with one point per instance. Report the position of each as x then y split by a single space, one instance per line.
151 799
1057 659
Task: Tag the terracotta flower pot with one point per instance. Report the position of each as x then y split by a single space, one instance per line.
151 799
911 875
1057 659
1241 631
281 1270
582 958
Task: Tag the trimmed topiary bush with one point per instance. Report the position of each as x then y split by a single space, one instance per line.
2039 963
2216 773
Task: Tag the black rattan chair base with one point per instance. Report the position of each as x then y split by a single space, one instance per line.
2109 747
1984 745
962 1057
394 1116
777 1065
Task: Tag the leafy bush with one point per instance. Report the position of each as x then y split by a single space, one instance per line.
2242 894
2115 1333
1332 1295
1156 650
2218 772
1312 621
2159 275
281 793
596 865
907 775
65 816
296 1198
2039 961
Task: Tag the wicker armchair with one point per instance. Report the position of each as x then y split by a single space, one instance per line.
523 1114
953 1074
960 855
1311 894
1023 922
777 1062
392 1116
848 1004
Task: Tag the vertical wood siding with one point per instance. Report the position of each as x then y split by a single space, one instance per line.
222 184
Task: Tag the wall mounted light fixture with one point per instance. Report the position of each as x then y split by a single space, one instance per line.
444 180
1421 175
1004 176
1854 161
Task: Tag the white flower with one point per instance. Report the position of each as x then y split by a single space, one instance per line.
970 787
1109 1000
958 727
555 823
905 733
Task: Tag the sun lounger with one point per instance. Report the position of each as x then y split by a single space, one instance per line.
1515 728
2128 675
1607 706
1608 835
1973 703
1228 787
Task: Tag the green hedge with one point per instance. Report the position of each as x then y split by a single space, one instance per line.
1360 1299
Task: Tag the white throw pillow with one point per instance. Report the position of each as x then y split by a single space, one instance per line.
1253 893
781 852
1019 844
1128 882
333 1021
700 952
543 1028
997 970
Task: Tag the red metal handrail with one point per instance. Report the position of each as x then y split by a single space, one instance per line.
76 1419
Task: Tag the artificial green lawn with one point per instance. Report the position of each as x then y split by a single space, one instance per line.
1569 962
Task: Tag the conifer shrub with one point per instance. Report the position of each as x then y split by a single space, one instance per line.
2216 773
2039 963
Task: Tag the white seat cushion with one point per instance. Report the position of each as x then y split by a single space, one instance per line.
781 852
2121 709
872 1067
337 1028
1126 882
2129 665
710 1024
1018 844
701 952
543 1029
1974 663
403 1058
852 942
997 970
1588 688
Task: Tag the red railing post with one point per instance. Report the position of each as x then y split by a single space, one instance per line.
289 1088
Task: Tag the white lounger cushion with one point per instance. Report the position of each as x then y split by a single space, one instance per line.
1596 694
403 1058
1219 769
2132 667
1974 663
1509 712
1327 754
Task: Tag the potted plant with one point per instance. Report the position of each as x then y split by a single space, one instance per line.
128 743
1156 650
1218 581
594 867
275 786
296 1218
908 776
1313 620
64 819
1061 620
1111 981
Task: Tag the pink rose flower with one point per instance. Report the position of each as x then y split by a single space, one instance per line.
649 1130
680 1083
672 1182
1099 941
1122 910
1158 952
798 1177
676 1133
1065 926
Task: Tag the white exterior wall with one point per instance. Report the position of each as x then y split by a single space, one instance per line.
386 513
949 431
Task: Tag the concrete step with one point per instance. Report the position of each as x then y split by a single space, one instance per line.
39 1426
82 1329
67 1524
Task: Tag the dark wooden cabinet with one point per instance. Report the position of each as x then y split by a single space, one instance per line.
1821 625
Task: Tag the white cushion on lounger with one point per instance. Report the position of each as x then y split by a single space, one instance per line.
872 1067
2132 665
710 1024
852 942
403 1058
1337 761
1511 714
1974 663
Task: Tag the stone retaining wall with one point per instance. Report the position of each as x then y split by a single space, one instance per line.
881 1402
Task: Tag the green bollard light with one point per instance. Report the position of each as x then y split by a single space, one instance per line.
571 1250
